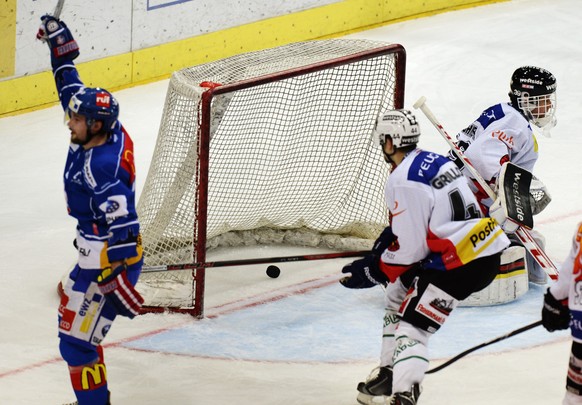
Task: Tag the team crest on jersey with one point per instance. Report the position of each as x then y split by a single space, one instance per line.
111 207
77 178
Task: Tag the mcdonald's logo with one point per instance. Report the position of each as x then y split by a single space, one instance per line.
93 377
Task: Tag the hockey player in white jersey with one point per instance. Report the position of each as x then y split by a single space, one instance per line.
438 249
503 133
562 309
99 184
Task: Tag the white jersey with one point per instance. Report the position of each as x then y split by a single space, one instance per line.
501 134
436 217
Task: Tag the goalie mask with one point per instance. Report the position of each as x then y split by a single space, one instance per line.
533 92
400 125
95 104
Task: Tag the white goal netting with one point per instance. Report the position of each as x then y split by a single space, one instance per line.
281 152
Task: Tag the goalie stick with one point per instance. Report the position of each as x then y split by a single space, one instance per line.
482 345
530 244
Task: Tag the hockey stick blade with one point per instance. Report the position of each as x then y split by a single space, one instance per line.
530 244
482 345
259 260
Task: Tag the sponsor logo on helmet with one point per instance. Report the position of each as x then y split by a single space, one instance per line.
393 117
102 99
525 80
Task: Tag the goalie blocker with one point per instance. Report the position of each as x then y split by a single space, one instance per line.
520 197
514 184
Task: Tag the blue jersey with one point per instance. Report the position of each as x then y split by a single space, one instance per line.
100 187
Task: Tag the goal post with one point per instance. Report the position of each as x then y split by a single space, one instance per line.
267 147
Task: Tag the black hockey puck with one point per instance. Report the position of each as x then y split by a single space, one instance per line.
273 271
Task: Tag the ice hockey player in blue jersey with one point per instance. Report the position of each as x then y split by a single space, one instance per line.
99 181
438 250
503 133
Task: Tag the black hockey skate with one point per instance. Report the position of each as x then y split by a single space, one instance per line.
408 397
377 386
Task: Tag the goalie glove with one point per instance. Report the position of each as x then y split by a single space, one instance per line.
119 291
555 314
57 35
365 273
539 197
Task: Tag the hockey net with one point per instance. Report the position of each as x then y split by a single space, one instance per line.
268 147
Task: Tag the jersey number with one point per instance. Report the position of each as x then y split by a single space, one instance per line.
462 211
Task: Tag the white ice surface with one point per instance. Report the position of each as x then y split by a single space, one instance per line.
285 340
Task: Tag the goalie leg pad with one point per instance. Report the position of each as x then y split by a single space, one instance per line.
510 284
536 274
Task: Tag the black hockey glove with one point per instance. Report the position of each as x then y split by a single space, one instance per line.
55 33
555 314
385 239
119 291
365 272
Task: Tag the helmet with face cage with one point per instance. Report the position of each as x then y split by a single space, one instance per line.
533 92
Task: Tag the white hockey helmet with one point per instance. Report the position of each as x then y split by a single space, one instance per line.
533 92
400 125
